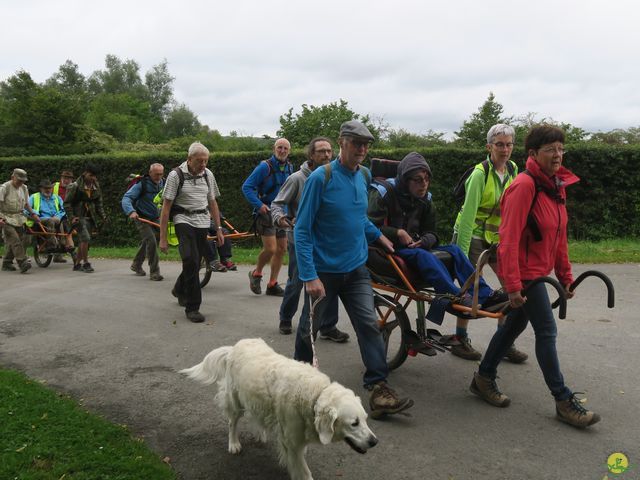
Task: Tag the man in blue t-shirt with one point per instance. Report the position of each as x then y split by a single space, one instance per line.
332 234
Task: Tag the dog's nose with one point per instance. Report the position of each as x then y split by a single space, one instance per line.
373 441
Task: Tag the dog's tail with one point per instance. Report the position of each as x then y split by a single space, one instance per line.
212 368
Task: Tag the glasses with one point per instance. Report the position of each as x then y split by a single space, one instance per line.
419 179
503 145
359 143
552 150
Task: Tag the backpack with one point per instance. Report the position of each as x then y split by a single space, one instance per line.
133 179
531 221
288 168
459 191
177 208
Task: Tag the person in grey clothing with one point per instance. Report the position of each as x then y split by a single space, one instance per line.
283 213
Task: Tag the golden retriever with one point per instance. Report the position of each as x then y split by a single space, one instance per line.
291 400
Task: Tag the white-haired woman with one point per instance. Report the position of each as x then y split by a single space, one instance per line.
476 227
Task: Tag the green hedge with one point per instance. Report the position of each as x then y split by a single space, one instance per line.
605 204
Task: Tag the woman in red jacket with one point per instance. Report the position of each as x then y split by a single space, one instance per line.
533 242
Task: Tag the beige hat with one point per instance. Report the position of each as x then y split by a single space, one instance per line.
20 174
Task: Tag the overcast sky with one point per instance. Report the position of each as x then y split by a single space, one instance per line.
418 65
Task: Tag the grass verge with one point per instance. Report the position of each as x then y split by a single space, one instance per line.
44 435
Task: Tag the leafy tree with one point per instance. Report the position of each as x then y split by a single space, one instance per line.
324 120
124 117
180 122
68 79
118 77
523 124
159 83
403 139
619 136
473 132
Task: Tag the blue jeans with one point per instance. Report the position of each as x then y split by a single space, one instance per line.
291 298
436 274
536 310
354 289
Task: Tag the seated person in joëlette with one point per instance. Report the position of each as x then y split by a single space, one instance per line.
403 210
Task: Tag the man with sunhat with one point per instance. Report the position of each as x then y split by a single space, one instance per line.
14 197
331 235
50 208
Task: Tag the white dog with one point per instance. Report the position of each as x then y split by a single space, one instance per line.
293 401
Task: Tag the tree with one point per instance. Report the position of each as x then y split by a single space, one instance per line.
180 122
473 132
324 120
523 124
403 139
159 83
618 136
118 77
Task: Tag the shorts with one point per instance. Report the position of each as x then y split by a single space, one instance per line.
266 228
85 226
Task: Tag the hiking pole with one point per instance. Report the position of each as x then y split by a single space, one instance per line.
314 303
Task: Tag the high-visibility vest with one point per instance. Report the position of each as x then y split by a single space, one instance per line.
36 207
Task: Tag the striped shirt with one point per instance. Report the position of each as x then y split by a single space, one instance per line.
194 196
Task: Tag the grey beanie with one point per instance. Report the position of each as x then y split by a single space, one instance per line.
409 164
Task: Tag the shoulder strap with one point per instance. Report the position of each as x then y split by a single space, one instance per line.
531 221
327 174
180 174
485 167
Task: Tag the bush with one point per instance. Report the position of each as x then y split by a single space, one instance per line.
605 204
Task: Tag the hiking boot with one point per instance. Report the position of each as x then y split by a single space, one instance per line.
275 290
8 267
217 266
487 389
195 316
87 268
464 349
285 328
497 298
59 258
572 412
24 265
254 283
335 335
156 277
178 296
138 270
77 267
515 356
385 400
229 265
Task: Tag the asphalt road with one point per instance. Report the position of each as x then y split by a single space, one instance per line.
114 342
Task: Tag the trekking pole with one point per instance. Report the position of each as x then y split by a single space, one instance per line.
314 303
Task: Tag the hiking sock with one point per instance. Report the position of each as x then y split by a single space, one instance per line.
272 283
256 273
461 332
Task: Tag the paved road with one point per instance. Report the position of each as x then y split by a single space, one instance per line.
114 341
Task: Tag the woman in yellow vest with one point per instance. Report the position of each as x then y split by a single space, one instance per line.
477 224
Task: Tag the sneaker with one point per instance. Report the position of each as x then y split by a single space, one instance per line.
59 258
178 296
335 335
497 298
195 316
138 270
87 268
572 412
275 290
515 356
254 283
24 265
385 400
77 267
217 266
8 267
487 389
156 277
229 265
285 328
465 350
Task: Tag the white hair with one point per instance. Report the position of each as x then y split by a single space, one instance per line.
196 148
500 129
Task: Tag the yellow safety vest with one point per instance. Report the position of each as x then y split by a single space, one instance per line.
36 207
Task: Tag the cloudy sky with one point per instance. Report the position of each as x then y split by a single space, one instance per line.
418 65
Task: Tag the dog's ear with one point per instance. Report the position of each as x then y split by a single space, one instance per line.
325 418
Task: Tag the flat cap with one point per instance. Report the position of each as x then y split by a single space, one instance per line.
354 128
20 174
